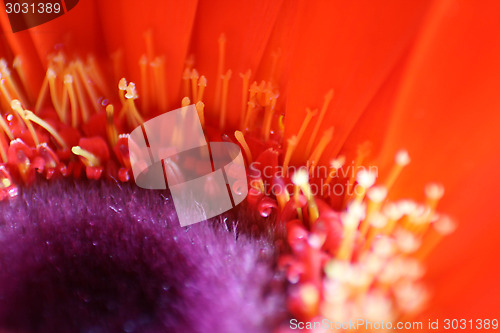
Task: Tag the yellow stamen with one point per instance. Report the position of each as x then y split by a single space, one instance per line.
89 159
244 95
51 76
220 70
158 66
268 118
301 179
185 102
241 139
110 125
131 95
376 196
442 227
10 82
202 83
6 128
79 93
194 84
433 193
18 66
16 106
148 39
186 77
324 108
223 108
88 87
335 165
350 220
96 74
3 154
318 151
68 83
42 123
145 91
42 94
401 160
200 107
248 115
292 144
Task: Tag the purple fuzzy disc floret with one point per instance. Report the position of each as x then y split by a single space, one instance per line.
100 257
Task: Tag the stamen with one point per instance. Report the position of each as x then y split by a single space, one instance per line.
401 160
186 77
350 219
42 123
51 77
131 95
68 83
294 141
220 69
200 107
185 102
158 66
241 139
202 83
18 66
145 91
90 159
6 128
433 193
365 179
328 99
79 93
16 106
88 87
301 179
42 94
335 165
376 195
442 227
12 85
244 95
223 108
110 125
292 144
268 118
318 151
194 84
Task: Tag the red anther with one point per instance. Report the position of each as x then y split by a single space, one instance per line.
19 158
94 172
7 187
266 206
124 174
122 152
97 146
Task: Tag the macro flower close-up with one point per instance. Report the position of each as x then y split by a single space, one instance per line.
249 166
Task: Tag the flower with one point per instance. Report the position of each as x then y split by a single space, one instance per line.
398 75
